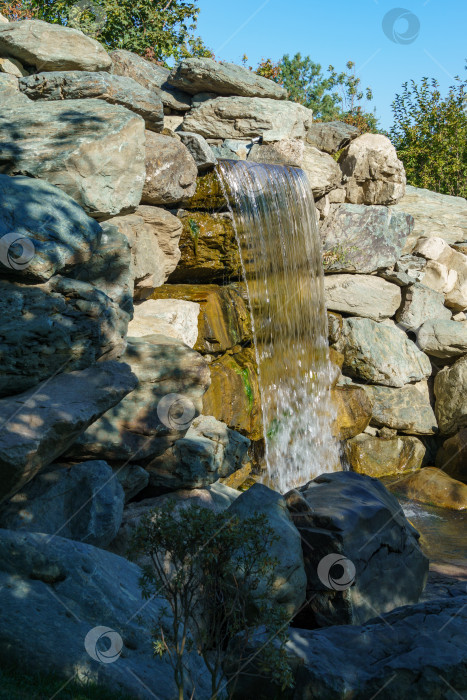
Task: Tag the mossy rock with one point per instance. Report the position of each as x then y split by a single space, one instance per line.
208 195
354 410
234 396
224 319
209 250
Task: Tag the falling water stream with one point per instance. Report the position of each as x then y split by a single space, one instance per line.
273 212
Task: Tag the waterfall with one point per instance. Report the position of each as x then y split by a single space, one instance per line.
275 224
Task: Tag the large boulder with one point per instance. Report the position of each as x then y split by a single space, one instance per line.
170 171
331 137
151 76
435 214
153 234
110 268
419 304
442 338
381 353
351 522
78 598
83 502
362 239
42 230
61 325
79 85
321 169
407 409
195 75
416 651
208 451
39 425
172 380
243 117
51 47
378 456
92 150
208 249
451 397
175 318
434 487
372 171
289 584
234 396
362 295
452 456
224 320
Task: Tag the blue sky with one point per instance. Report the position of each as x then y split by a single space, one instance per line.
342 30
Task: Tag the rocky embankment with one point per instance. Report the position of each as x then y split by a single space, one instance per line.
128 369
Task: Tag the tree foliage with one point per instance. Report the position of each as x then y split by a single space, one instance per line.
332 95
158 29
217 577
430 135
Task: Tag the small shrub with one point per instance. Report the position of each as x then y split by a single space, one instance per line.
217 577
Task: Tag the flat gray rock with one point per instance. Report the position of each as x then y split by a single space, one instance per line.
331 137
42 230
115 89
82 502
40 424
92 150
207 452
362 295
141 427
380 353
150 76
64 590
52 47
58 326
363 239
195 75
355 519
247 117
290 579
